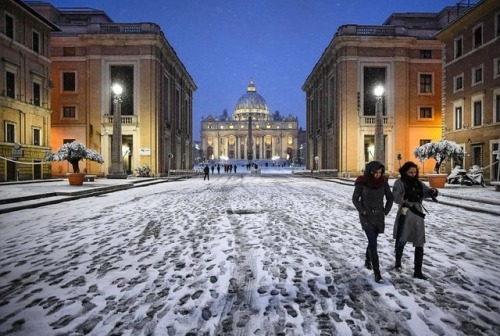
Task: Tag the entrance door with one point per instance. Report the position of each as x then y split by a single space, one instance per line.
11 171
37 170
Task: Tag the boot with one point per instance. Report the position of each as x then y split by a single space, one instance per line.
399 256
419 258
375 264
368 262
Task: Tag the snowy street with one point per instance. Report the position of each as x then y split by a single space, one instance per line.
240 255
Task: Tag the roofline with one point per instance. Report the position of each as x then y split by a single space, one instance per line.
40 17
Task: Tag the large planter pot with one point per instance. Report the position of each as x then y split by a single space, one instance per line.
76 179
437 180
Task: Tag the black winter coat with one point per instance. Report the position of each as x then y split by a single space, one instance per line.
369 201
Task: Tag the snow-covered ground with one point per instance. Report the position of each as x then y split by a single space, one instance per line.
240 255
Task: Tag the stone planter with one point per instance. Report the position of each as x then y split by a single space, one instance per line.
76 179
436 180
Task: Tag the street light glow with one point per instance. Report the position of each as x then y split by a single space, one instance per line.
117 89
378 91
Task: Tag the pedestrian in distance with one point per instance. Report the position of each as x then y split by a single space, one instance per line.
212 168
368 198
206 172
409 192
218 168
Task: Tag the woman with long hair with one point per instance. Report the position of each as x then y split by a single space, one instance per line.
409 192
368 198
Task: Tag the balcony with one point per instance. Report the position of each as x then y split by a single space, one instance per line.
370 120
130 120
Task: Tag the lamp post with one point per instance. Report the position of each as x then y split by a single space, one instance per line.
116 142
379 125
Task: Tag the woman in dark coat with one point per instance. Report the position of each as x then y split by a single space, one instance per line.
368 198
409 192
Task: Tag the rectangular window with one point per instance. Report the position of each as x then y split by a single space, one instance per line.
459 121
425 83
9 26
10 79
10 132
458 83
497 107
36 136
425 53
497 24
496 67
69 81
424 141
69 112
425 113
36 42
459 51
477 75
478 36
124 74
36 94
478 113
69 51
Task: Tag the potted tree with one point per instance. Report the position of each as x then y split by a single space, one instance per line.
440 151
74 152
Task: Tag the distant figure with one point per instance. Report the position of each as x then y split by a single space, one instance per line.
218 168
212 169
206 171
235 168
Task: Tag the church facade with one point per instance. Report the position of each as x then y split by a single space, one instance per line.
251 133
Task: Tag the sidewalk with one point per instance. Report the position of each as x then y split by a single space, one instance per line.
34 193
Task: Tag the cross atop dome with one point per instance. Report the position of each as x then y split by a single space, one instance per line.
251 86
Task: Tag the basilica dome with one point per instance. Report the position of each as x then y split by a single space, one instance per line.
251 104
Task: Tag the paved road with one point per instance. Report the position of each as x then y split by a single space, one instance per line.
238 255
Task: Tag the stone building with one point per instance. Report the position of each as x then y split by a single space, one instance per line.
404 56
271 137
471 95
24 91
91 53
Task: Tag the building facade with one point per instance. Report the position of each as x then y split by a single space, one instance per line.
25 86
89 55
471 95
404 56
270 137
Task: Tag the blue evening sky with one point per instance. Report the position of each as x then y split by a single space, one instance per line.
224 43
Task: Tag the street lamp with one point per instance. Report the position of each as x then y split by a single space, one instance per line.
379 125
116 143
